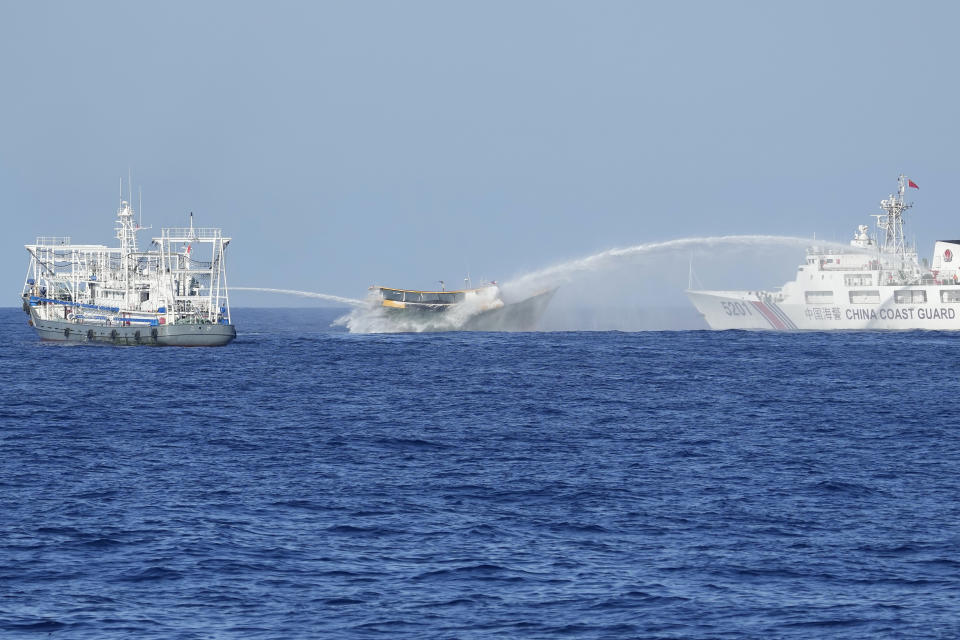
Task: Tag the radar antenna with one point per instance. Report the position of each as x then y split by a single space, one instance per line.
891 222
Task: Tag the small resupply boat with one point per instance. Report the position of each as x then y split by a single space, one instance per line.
470 309
174 294
485 298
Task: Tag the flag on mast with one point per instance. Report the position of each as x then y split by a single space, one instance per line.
912 184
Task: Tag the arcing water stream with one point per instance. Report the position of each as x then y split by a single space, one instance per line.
369 317
306 294
526 284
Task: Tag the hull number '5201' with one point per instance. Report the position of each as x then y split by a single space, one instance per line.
736 309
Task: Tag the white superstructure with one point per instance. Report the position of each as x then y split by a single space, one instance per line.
876 283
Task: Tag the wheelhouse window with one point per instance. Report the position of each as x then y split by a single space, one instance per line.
909 296
950 295
391 294
865 297
425 297
858 280
819 297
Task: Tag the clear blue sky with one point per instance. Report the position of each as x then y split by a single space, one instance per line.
351 143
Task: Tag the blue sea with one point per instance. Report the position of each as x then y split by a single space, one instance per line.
304 482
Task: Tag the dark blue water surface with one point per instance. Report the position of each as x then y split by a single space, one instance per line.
304 483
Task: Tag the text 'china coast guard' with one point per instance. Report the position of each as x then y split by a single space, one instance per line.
876 283
172 295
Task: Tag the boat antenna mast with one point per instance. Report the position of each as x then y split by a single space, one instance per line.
126 227
127 234
891 222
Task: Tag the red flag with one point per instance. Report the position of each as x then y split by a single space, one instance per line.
911 183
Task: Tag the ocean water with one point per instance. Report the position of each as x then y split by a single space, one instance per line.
308 483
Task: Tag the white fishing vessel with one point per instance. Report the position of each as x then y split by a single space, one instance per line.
876 283
174 294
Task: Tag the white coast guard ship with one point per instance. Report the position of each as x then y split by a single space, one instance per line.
175 294
874 284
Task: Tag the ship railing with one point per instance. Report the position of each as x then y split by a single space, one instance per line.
119 321
53 240
826 251
863 266
841 251
186 234
136 314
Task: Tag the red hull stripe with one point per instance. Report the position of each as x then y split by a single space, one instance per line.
769 315
783 316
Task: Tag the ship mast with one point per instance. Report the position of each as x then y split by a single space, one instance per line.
127 234
891 223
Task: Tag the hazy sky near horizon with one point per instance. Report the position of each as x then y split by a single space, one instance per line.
399 143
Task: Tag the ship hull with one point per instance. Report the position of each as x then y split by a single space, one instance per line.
171 335
756 311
